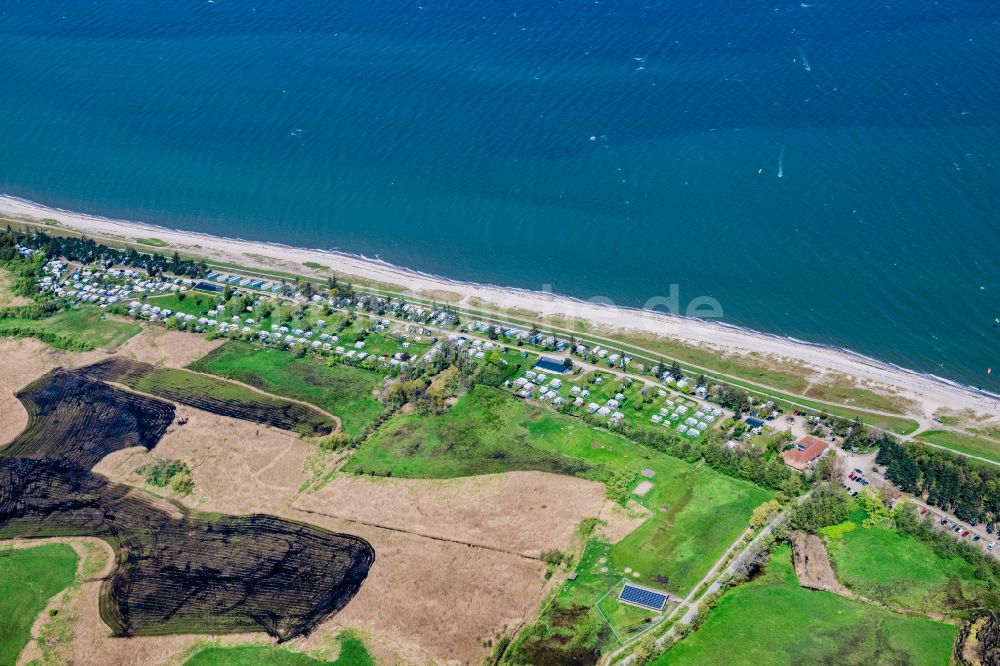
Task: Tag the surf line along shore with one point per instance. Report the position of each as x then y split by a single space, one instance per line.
930 393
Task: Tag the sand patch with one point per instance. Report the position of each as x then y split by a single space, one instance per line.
24 361
621 521
160 347
522 512
642 489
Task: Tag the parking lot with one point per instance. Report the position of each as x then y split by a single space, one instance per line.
861 472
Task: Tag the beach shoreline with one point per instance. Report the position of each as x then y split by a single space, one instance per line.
930 392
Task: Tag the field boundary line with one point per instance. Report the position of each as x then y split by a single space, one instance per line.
401 530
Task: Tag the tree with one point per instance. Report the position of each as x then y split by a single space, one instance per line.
567 364
763 513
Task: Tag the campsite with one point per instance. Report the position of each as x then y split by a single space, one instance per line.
247 469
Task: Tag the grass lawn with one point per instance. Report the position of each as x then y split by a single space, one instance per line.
352 653
772 620
975 445
898 570
343 390
83 325
29 577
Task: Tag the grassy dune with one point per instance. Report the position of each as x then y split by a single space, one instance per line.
974 445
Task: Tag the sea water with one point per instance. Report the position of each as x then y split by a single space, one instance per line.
826 170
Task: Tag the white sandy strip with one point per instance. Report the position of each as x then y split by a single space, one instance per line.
928 391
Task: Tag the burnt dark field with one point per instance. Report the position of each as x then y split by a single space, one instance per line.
213 394
177 571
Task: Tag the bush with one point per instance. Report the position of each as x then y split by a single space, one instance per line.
168 473
828 505
619 486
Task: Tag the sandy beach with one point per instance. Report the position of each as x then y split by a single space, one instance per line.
930 394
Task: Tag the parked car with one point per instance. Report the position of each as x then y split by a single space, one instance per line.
965 533
944 521
976 538
923 511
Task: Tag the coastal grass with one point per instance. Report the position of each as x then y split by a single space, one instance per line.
80 328
352 652
693 512
771 620
343 390
151 242
843 391
29 577
898 570
314 265
973 445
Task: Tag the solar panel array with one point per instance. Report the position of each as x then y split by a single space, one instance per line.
643 597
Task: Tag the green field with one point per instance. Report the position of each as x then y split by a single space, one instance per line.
695 512
772 620
151 242
83 326
29 577
884 565
973 445
352 653
343 390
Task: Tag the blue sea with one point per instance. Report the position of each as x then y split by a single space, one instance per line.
827 170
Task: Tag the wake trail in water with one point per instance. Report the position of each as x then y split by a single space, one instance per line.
781 163
805 61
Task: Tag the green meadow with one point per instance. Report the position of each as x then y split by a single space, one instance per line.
352 652
82 328
343 390
29 578
694 513
773 621
895 569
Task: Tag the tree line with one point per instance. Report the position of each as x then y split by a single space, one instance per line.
970 490
87 250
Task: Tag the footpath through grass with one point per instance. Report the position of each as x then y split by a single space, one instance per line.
881 564
772 620
343 390
973 445
352 653
29 578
